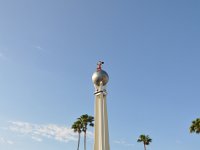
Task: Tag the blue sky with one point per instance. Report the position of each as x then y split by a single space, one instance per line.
49 50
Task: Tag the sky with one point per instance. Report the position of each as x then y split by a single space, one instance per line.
48 53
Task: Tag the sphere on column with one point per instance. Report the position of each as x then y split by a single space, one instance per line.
99 76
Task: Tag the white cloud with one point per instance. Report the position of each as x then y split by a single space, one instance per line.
123 142
5 141
38 132
36 139
39 48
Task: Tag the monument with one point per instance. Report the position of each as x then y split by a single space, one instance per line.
101 136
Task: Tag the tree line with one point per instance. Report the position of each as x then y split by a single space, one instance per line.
82 123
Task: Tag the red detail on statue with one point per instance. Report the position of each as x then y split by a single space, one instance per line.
99 65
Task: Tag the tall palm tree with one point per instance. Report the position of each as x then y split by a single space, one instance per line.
86 120
195 127
77 127
145 139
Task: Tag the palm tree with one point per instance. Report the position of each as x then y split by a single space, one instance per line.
77 127
195 127
145 139
86 120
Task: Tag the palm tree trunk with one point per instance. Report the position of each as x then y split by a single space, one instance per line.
78 140
85 140
144 147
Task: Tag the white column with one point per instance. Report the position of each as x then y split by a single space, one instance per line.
101 135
